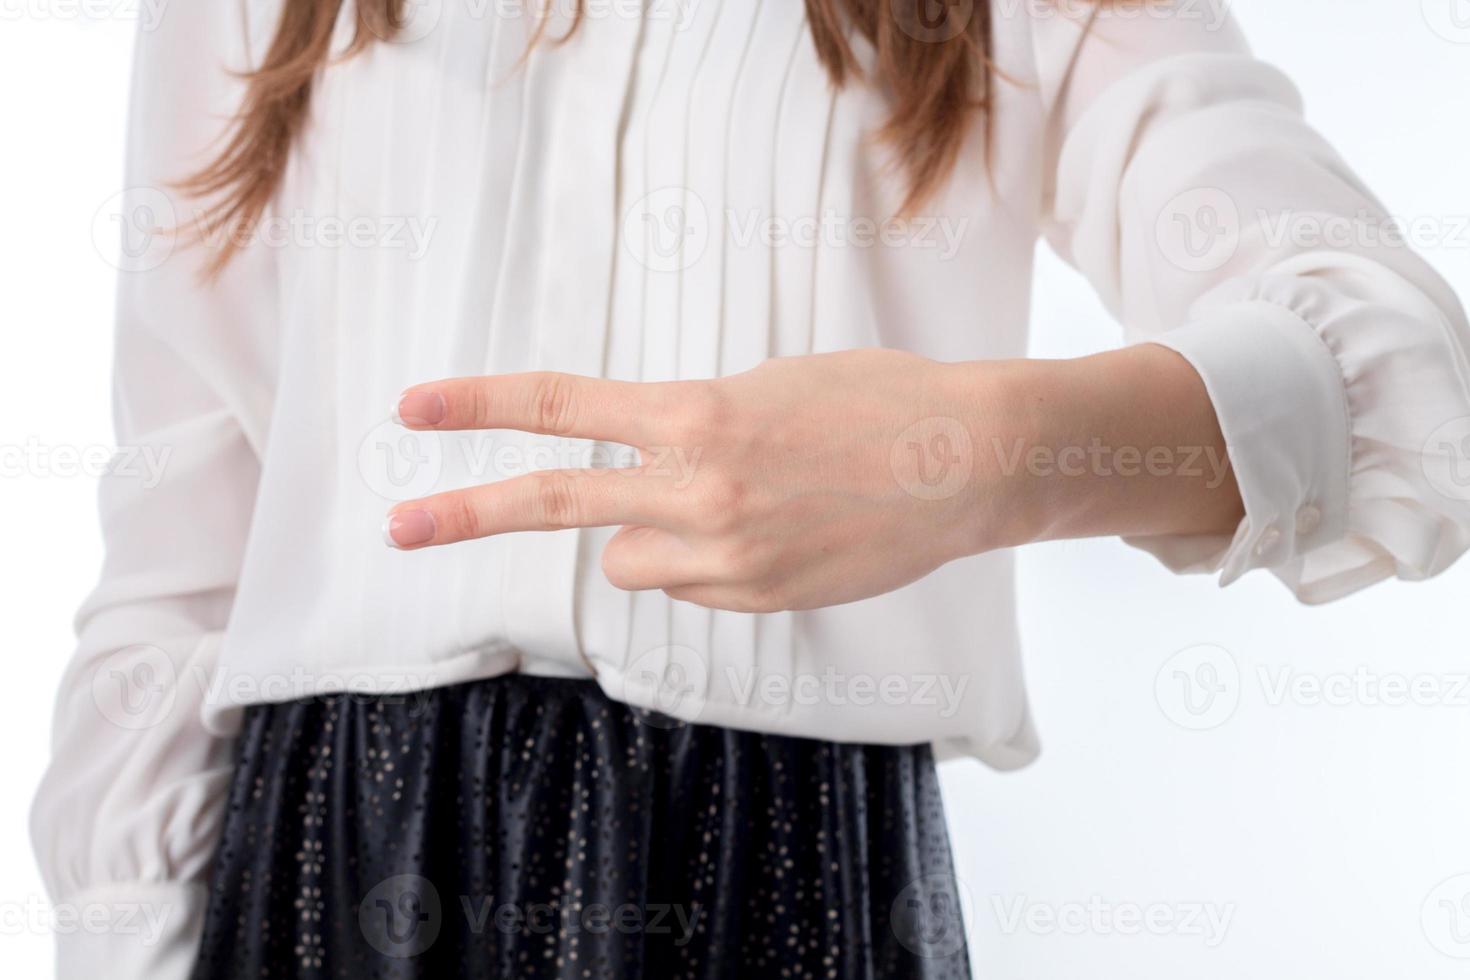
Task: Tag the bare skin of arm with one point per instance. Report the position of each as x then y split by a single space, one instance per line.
818 480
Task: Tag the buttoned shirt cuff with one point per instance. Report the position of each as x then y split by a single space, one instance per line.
1278 394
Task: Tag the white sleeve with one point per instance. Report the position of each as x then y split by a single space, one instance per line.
1212 219
128 813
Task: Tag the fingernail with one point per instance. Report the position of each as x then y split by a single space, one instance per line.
419 408
408 528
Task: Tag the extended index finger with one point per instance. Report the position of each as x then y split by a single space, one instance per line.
544 402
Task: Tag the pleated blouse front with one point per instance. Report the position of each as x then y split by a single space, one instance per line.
676 191
681 195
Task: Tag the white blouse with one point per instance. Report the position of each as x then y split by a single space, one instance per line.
679 194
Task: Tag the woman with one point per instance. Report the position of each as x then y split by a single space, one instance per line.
595 712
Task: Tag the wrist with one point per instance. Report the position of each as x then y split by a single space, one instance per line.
1123 442
1003 406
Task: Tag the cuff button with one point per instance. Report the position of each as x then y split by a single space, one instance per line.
1308 519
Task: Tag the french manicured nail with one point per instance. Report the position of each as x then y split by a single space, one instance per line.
419 408
408 528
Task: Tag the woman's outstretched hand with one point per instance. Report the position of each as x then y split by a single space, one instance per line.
818 480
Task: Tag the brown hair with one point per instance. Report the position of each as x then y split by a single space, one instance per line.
935 73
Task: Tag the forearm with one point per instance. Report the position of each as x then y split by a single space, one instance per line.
830 478
1120 443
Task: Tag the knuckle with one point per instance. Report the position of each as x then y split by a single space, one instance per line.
731 493
686 508
703 410
553 404
743 560
720 506
556 501
765 599
480 404
463 516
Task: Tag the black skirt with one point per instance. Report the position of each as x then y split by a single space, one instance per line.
525 827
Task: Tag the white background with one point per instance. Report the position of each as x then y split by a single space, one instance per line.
1325 833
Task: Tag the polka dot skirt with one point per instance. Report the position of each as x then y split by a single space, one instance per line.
524 827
